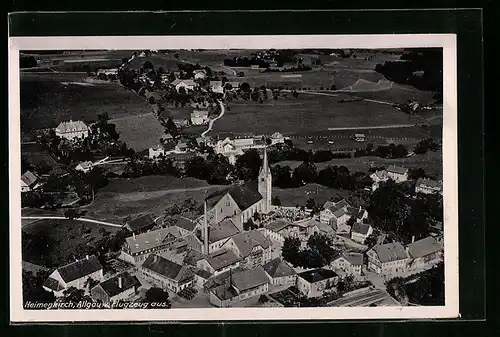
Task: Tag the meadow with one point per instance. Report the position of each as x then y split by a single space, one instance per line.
298 196
67 236
306 114
139 132
152 194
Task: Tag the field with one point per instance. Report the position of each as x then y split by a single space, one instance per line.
431 162
307 112
152 194
299 196
45 101
158 60
68 235
139 132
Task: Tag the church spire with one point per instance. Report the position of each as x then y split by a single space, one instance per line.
265 166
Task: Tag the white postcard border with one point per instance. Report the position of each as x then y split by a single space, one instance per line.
387 41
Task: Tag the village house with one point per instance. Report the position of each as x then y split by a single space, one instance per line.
315 226
251 247
360 231
72 129
167 274
199 74
424 253
75 274
280 273
314 282
29 181
140 224
199 117
186 243
397 173
218 262
240 286
348 263
240 202
201 277
184 225
182 145
216 86
338 213
107 72
137 248
359 137
120 287
378 177
186 84
219 233
181 122
428 186
156 152
231 86
84 166
277 138
387 259
280 229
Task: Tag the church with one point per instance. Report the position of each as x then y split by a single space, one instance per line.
240 202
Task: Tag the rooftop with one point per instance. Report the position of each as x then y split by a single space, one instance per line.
360 228
79 269
151 239
390 252
112 287
185 223
277 225
167 268
246 241
72 126
244 195
221 259
278 268
248 279
29 178
397 169
223 230
316 275
140 222
428 183
424 247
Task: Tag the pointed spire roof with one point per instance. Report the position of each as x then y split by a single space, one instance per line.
265 165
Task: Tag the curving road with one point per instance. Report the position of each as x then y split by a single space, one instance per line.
230 69
211 123
64 218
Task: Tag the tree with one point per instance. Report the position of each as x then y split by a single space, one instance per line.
275 201
248 165
148 65
282 176
321 250
371 240
157 295
291 251
414 174
33 288
73 295
245 87
171 128
71 213
305 173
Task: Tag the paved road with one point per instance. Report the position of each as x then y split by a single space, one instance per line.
211 123
64 218
230 69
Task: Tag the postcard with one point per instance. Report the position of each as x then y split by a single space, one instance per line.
209 178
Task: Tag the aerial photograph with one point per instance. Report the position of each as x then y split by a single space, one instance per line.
215 178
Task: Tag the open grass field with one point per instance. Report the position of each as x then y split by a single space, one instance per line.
431 162
46 101
140 132
68 234
167 62
150 194
299 196
307 112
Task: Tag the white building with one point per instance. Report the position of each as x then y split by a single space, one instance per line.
75 274
217 86
348 263
397 173
84 166
428 186
137 248
378 177
219 262
251 247
120 287
424 253
280 273
360 231
388 259
186 84
199 117
72 129
338 213
29 181
167 274
314 282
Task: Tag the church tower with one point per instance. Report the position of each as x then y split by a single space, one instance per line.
265 184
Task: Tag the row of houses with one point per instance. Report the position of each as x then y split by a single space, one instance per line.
400 174
234 147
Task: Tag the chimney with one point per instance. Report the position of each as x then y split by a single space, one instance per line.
412 238
205 230
120 282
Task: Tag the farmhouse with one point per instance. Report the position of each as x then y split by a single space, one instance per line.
280 229
199 74
378 177
201 277
120 287
219 262
107 72
72 129
231 148
280 272
184 225
359 137
181 122
240 286
199 117
314 226
138 247
75 274
428 186
314 282
424 253
251 247
348 263
166 274
397 173
187 243
360 231
241 202
186 84
182 145
142 223
338 213
217 86
387 259
84 166
29 181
